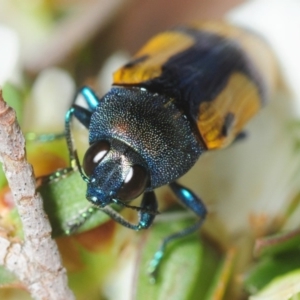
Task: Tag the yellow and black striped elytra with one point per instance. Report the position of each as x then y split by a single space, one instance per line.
188 90
218 74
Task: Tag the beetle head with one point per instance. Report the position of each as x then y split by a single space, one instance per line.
115 171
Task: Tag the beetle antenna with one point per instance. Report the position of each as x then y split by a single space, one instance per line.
74 160
78 165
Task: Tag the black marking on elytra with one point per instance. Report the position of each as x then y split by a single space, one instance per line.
135 61
228 122
241 136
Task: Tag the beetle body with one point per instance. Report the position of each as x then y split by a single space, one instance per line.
188 90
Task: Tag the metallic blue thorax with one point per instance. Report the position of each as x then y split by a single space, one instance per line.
152 126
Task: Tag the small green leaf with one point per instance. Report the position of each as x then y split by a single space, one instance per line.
269 268
14 98
187 269
3 180
93 269
65 204
285 287
7 279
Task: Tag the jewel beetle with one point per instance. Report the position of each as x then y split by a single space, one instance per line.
188 90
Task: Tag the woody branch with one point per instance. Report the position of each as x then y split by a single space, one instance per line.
36 260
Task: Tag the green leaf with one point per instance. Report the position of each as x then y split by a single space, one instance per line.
92 270
271 267
187 269
65 203
14 98
285 287
3 180
7 279
279 255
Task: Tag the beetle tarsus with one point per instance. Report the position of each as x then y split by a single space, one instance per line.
154 264
194 203
78 221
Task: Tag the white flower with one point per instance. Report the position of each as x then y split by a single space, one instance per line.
50 99
9 55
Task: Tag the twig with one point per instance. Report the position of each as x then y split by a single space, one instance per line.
36 261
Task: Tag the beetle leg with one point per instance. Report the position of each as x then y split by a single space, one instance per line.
43 137
82 114
90 97
78 221
149 204
144 206
189 199
146 214
194 203
52 177
74 161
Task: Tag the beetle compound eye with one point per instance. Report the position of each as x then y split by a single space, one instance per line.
134 183
94 155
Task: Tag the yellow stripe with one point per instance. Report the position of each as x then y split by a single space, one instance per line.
159 50
240 98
